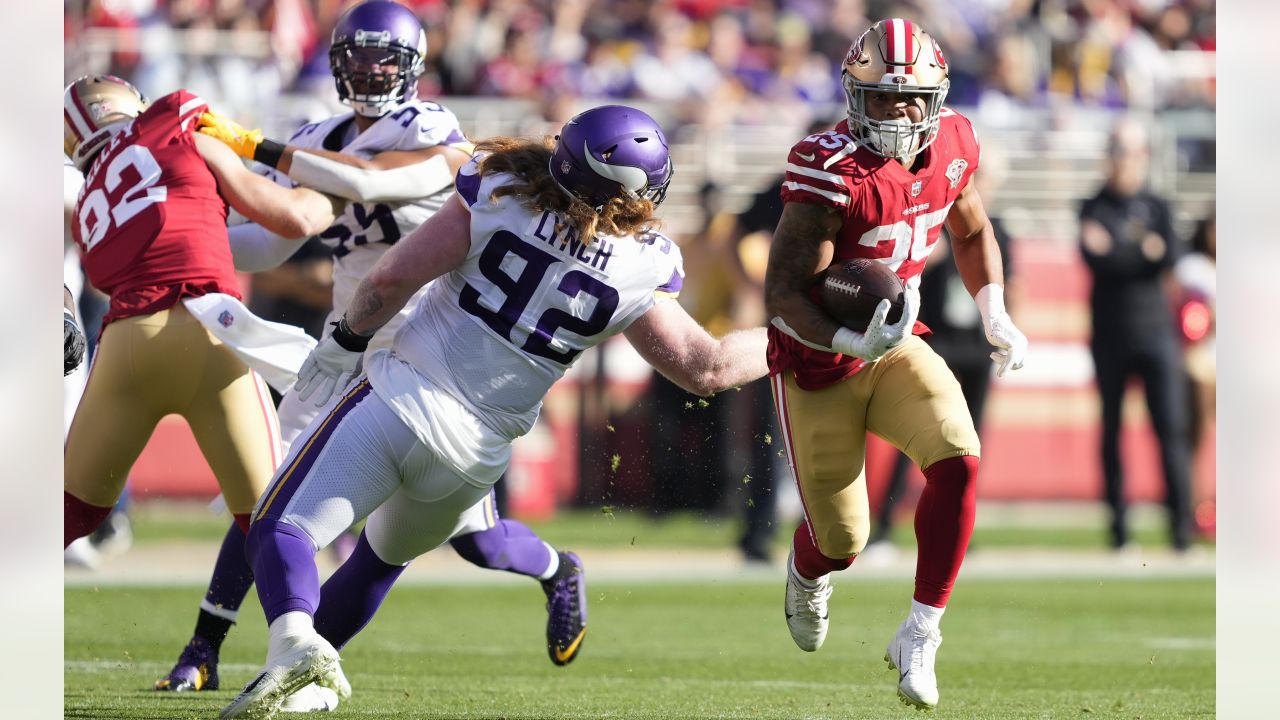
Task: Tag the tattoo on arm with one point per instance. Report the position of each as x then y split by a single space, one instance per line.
798 251
364 306
803 245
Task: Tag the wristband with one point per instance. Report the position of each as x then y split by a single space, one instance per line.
844 341
990 300
349 339
269 152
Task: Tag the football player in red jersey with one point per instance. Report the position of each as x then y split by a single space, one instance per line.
151 225
881 185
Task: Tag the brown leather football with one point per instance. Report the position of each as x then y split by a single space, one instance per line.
852 289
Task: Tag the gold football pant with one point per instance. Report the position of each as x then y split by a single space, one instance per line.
154 365
909 397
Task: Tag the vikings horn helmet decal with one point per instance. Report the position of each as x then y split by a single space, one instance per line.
612 151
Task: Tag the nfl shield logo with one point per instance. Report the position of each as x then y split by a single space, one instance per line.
226 318
565 167
916 187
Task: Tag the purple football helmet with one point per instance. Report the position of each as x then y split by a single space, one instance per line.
377 54
611 151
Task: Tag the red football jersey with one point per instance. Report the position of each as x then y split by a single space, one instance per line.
149 220
890 214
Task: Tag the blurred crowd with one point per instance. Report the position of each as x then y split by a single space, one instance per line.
710 61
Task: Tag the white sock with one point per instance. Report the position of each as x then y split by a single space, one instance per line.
285 631
804 581
554 564
926 615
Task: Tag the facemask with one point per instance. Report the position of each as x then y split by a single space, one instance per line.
895 138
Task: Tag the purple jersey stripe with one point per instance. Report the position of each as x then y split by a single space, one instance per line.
673 285
468 182
455 138
287 482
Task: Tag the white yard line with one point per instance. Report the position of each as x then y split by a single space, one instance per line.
191 563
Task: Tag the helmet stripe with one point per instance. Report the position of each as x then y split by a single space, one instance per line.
75 110
72 126
901 45
909 45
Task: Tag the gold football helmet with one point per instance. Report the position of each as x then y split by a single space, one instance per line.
93 109
895 56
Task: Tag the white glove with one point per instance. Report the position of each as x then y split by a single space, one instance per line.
878 339
1010 343
327 369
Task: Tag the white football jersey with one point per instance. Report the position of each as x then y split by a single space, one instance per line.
366 230
470 368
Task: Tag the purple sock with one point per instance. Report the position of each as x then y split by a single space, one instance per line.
284 563
353 594
509 546
232 575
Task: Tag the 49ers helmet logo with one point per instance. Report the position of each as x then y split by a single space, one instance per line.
855 50
939 57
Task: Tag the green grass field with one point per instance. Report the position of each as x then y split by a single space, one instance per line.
590 527
1140 649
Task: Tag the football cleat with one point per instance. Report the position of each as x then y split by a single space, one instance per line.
566 609
806 608
197 669
312 660
913 652
311 698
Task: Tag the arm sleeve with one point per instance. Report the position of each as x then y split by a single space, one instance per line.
410 182
255 249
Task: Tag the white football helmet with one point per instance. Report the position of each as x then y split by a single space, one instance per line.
895 56
94 108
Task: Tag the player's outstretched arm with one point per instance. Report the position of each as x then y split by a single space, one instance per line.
682 350
392 176
434 248
289 213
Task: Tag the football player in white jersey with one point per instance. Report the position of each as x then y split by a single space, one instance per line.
545 250
394 159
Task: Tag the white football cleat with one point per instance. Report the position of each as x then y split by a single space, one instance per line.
312 660
311 698
806 608
913 652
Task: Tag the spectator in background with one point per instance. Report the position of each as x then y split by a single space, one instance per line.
1129 245
945 306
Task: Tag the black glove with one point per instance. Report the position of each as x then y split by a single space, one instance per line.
73 344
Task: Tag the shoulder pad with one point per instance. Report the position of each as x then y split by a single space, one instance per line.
668 262
823 169
181 105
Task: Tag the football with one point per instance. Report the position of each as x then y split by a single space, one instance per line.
851 290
